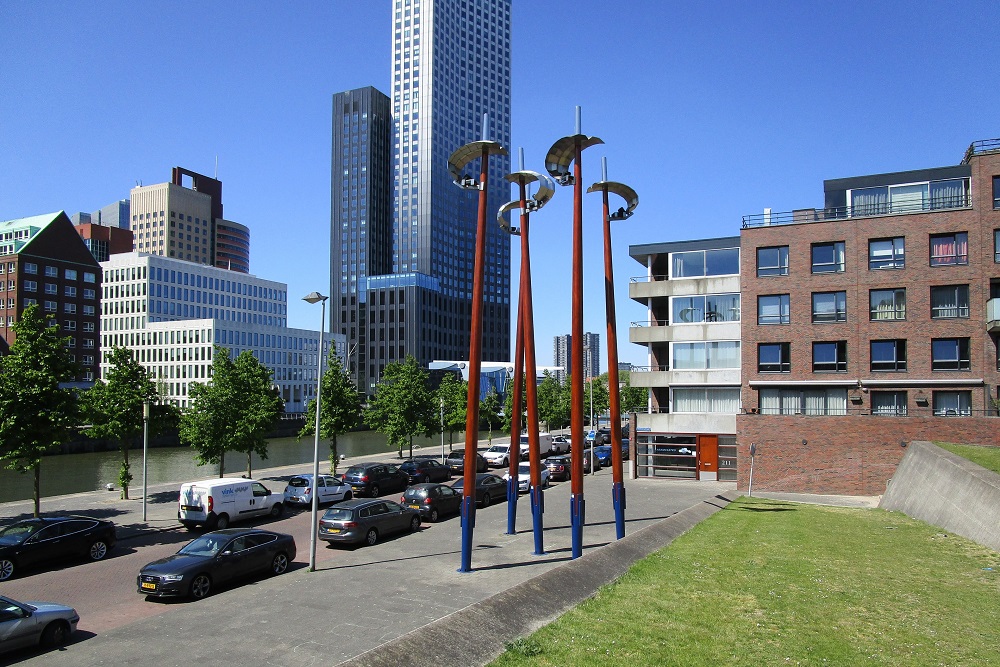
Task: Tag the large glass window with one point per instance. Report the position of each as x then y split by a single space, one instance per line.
949 249
950 354
887 304
953 403
886 253
996 192
719 400
996 241
950 301
889 403
701 263
888 355
772 261
910 197
827 401
709 355
773 309
830 356
707 308
829 307
828 257
774 358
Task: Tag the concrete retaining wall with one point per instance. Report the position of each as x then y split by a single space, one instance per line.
946 490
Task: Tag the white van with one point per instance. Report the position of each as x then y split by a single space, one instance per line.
216 503
546 445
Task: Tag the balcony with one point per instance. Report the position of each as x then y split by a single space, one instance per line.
993 316
804 215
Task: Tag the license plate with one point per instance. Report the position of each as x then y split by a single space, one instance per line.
414 507
191 508
148 586
331 530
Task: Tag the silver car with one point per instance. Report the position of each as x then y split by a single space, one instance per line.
329 489
33 623
366 520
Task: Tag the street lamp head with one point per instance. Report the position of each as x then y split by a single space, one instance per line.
314 297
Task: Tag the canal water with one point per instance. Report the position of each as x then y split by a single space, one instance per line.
75 473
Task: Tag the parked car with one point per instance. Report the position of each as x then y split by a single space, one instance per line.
524 477
499 455
218 502
425 470
374 479
559 445
489 487
604 452
432 500
329 489
215 558
365 521
31 542
559 466
25 624
588 459
456 461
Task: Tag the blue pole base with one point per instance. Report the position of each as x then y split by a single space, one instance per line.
537 509
512 506
618 500
577 516
468 523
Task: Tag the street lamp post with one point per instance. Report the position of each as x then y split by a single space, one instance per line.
314 297
145 453
442 430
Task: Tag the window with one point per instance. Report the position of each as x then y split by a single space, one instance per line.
950 354
888 355
69 290
829 307
889 403
69 308
701 263
51 272
710 355
720 400
886 253
950 301
89 277
887 304
830 401
910 197
29 267
949 249
88 310
710 308
50 306
953 403
773 309
772 261
828 257
996 192
774 358
70 274
996 237
51 288
30 286
830 357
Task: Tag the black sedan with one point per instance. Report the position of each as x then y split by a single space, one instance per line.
423 470
215 558
33 542
432 500
456 461
374 479
559 466
489 487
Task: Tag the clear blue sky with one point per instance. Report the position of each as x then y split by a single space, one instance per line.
709 110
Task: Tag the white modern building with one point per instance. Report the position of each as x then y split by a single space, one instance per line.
172 312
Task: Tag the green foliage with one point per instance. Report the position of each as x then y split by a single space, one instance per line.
489 411
987 456
553 402
508 406
596 400
524 646
339 407
631 399
403 406
455 393
114 407
36 415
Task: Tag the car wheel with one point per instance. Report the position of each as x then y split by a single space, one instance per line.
372 537
434 515
504 463
279 563
375 491
545 483
486 499
55 634
98 550
190 525
277 509
414 524
348 495
6 569
222 521
201 586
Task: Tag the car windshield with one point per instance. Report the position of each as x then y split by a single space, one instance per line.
355 470
523 469
299 482
415 493
18 533
498 448
409 465
602 449
206 545
337 514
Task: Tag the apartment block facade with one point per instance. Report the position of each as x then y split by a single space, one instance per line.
562 349
870 323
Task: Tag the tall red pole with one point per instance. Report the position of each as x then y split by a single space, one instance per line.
515 415
577 507
618 484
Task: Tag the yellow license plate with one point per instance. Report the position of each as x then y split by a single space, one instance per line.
414 507
149 586
332 530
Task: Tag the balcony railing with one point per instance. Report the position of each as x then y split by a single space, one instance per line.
863 211
651 323
981 147
647 279
993 315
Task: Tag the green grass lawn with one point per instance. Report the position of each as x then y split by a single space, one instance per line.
776 583
988 457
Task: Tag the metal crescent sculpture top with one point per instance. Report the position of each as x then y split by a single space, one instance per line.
623 191
465 155
546 189
562 154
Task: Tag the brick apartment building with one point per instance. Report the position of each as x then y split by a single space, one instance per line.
870 323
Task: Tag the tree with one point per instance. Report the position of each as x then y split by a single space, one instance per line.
114 407
36 414
553 402
631 399
455 394
233 411
508 406
339 407
596 400
489 411
403 406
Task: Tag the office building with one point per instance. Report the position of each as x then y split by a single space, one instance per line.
44 261
877 323
691 290
102 240
184 219
562 349
172 312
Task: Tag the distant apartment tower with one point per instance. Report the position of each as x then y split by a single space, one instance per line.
360 215
562 347
172 312
173 220
43 261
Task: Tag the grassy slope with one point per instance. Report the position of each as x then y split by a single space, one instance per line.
987 457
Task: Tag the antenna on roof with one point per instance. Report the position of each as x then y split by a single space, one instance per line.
216 177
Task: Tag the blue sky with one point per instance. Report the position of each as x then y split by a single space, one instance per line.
709 110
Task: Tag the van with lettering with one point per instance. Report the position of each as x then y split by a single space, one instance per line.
215 503
546 445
